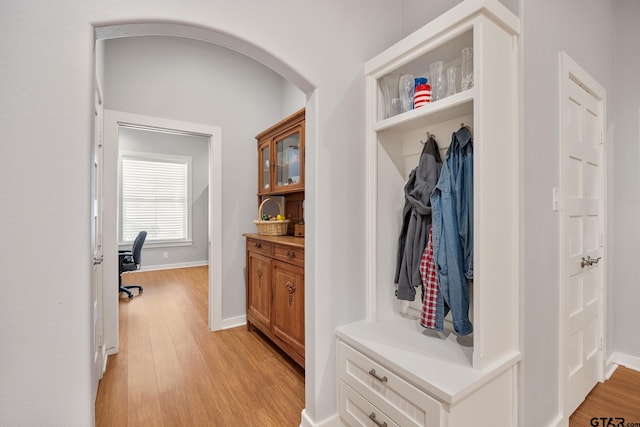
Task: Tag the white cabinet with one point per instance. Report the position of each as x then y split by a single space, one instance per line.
389 394
471 379
385 369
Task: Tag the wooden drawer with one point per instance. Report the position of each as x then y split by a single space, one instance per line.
290 254
399 400
357 411
260 246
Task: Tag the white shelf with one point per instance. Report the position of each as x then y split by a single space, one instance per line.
430 37
445 109
439 366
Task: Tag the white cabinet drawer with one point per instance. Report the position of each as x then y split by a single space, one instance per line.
356 411
404 403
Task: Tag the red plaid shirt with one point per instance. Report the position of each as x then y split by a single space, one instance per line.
431 288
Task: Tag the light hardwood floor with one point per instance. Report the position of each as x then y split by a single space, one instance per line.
172 371
618 397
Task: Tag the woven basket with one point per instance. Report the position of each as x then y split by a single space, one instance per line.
271 228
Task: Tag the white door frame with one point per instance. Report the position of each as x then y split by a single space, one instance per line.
571 71
112 121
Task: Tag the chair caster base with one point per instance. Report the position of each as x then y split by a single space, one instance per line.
127 290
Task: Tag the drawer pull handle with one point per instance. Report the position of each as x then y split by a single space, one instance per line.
258 245
290 254
373 374
372 417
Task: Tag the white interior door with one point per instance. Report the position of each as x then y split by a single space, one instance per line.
96 241
582 284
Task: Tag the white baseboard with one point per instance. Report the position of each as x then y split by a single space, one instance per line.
631 362
333 421
610 367
105 357
233 322
559 421
172 266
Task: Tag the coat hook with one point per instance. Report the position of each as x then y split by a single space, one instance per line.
428 137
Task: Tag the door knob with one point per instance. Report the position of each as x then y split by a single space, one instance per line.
589 261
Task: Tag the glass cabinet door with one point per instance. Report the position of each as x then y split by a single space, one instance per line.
264 174
281 156
289 172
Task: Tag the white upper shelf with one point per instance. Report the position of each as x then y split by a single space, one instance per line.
442 110
430 36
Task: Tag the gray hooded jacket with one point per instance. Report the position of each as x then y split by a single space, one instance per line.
416 220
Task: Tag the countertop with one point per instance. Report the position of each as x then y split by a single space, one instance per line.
285 240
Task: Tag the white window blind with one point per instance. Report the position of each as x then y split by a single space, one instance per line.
155 197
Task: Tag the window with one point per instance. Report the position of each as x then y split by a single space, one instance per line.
155 195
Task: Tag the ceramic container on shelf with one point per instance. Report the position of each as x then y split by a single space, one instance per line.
422 92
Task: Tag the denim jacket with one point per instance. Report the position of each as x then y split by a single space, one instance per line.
452 214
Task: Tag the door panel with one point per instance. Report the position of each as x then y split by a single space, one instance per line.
259 290
582 223
96 240
288 304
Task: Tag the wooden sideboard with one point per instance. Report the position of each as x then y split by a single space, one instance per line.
275 290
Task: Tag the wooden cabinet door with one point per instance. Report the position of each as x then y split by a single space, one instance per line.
281 156
288 160
264 167
288 305
259 291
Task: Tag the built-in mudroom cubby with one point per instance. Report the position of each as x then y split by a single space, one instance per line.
390 368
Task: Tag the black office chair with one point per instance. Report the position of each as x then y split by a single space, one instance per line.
130 261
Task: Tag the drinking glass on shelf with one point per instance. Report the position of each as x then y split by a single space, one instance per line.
406 88
451 81
467 68
389 85
396 107
437 80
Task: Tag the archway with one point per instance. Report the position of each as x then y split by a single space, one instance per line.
220 39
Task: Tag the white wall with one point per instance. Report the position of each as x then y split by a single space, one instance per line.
292 99
195 81
197 148
626 175
46 129
585 30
